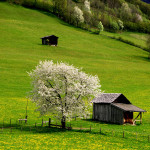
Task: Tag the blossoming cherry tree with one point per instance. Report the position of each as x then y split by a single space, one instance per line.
62 90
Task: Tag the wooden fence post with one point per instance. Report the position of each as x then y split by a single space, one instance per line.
123 134
16 123
90 128
10 122
49 123
26 119
42 122
70 126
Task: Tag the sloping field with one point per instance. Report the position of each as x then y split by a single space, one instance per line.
135 37
121 68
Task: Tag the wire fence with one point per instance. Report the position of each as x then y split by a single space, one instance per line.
21 126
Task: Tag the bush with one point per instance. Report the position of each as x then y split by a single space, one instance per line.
114 27
138 27
95 31
29 3
106 19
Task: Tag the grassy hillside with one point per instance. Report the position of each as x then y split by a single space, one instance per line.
120 67
135 37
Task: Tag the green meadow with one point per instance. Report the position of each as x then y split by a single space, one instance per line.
137 38
122 68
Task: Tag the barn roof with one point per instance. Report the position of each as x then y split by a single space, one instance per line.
128 107
48 36
106 98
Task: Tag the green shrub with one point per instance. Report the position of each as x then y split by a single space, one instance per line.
114 27
29 3
95 31
138 27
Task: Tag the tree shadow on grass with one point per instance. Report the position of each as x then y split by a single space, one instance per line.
26 128
41 10
31 128
142 58
99 122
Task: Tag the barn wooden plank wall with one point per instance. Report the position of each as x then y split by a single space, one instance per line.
107 113
116 115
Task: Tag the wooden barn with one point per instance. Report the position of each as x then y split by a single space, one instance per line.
115 108
50 40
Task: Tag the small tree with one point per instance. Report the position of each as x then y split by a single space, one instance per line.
78 15
126 12
137 18
62 90
87 14
120 23
100 27
148 45
87 6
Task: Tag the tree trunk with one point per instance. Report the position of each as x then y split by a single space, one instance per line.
63 122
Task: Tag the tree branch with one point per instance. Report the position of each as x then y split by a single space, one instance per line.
66 91
58 96
54 89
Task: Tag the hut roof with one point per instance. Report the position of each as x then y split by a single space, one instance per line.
45 37
106 98
128 107
118 100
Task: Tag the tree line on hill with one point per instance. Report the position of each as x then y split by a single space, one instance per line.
115 15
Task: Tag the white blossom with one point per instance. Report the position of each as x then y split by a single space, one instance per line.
126 8
138 17
62 89
87 6
126 12
78 14
120 23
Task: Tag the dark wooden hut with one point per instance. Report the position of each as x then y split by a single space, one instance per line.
115 108
50 40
